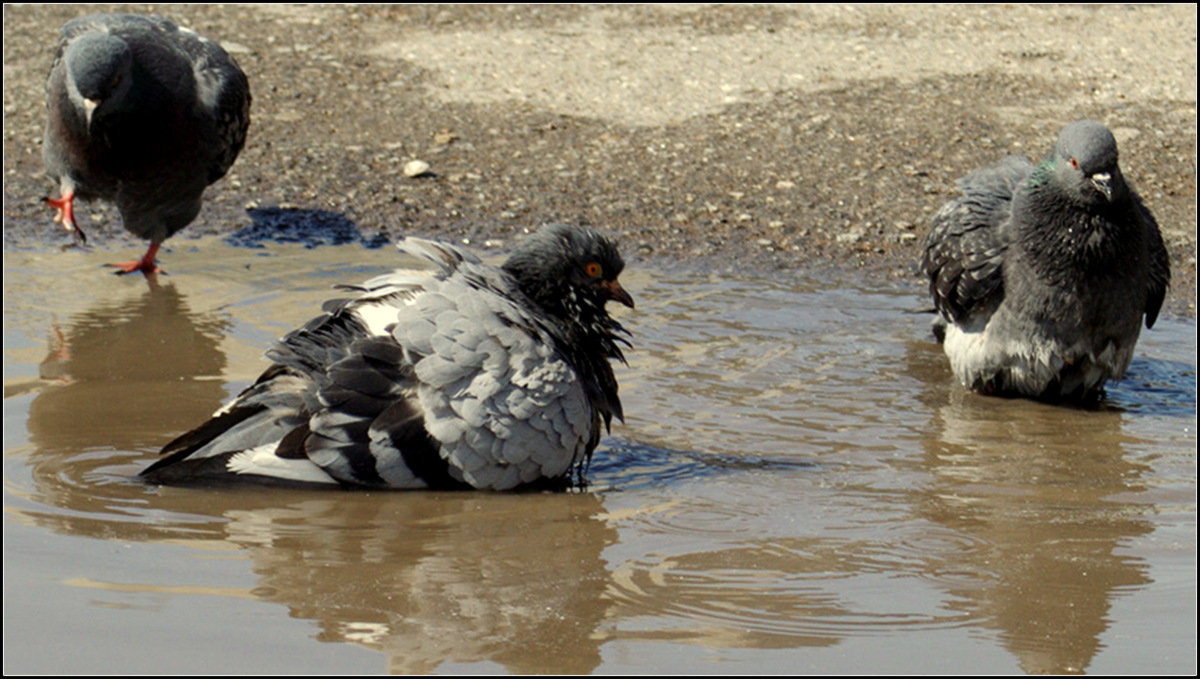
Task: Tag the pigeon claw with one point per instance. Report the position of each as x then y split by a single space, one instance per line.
146 264
123 268
64 213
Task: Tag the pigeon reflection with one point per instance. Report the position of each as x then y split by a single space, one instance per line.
432 578
121 379
1033 492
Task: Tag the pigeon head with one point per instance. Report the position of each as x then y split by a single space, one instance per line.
1085 161
570 271
99 69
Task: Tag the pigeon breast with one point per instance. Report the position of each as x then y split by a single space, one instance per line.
1043 275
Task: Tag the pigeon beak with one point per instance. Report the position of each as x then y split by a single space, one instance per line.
1103 183
614 291
89 107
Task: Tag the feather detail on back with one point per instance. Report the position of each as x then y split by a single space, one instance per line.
447 378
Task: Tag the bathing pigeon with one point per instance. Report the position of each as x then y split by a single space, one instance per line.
464 376
1043 275
144 114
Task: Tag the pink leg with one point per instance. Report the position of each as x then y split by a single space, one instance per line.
146 264
65 207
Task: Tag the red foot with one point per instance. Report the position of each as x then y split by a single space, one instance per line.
62 348
56 366
65 214
146 264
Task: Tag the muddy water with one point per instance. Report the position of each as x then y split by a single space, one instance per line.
798 487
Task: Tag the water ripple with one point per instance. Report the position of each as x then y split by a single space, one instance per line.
628 465
1155 387
773 590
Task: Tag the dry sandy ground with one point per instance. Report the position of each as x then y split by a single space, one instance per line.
734 137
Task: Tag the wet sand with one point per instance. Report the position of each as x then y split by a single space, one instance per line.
732 137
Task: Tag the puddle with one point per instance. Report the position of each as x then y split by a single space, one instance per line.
798 484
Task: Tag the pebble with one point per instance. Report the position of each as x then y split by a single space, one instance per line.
236 48
416 168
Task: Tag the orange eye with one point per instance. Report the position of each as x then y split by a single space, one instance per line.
594 270
1075 163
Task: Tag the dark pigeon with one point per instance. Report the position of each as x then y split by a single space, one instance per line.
466 376
143 114
1042 275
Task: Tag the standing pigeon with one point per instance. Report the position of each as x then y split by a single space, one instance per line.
467 376
1042 275
144 114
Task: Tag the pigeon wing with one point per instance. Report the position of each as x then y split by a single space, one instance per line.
1160 265
968 238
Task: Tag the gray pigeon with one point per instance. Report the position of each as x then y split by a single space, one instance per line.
143 114
1042 275
466 376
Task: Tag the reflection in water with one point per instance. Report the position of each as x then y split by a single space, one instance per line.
1039 489
798 482
431 578
124 375
710 561
119 380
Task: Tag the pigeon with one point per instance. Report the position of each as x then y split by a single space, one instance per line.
1042 275
144 114
463 375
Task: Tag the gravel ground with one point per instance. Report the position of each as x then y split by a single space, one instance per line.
768 137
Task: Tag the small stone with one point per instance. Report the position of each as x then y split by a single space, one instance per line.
416 168
236 48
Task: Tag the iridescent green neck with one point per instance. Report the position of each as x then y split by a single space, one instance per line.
1043 173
